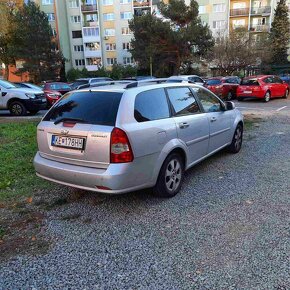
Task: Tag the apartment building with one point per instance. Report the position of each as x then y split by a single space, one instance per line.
91 33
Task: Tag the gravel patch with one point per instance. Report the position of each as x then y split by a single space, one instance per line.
227 229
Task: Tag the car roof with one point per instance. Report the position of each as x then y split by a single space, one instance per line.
257 77
96 78
122 87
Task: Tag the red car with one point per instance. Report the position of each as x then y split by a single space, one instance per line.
263 87
54 91
224 87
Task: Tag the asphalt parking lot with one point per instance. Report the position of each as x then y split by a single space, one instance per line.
228 228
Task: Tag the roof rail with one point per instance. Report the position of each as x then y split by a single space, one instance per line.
137 83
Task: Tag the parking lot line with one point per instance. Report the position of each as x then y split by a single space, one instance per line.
251 108
280 109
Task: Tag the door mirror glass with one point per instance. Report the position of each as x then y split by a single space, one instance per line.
230 105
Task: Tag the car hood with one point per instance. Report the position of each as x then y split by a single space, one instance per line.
24 90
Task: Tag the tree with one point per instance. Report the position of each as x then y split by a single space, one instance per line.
280 33
32 42
170 41
6 24
238 51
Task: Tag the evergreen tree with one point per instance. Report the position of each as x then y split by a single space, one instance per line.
280 33
180 37
32 43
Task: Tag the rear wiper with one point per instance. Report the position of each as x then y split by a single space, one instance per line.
78 120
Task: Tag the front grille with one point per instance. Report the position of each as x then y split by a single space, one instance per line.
39 96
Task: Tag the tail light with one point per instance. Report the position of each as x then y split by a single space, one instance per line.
121 151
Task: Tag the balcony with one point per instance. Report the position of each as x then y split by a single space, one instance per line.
265 10
87 8
260 28
90 24
142 11
92 53
240 12
142 3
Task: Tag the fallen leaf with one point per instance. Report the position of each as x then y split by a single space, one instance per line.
33 239
29 199
249 201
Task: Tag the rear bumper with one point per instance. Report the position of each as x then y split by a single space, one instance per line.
119 178
249 96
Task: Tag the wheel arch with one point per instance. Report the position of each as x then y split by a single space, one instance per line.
13 100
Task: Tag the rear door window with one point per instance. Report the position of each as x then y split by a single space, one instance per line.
213 82
98 108
183 101
151 105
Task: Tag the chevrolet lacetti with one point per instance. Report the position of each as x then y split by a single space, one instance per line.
121 138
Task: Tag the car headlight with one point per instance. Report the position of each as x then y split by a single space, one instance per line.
30 96
53 96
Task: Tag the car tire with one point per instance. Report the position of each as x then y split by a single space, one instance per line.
240 99
267 97
286 94
237 140
170 177
16 108
33 112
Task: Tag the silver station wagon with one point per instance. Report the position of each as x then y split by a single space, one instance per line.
120 138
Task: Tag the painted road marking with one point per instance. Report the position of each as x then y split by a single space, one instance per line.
250 108
280 109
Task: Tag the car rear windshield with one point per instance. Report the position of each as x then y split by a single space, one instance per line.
250 82
79 83
213 82
98 108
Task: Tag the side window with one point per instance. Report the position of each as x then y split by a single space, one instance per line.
209 102
183 101
278 80
151 105
197 80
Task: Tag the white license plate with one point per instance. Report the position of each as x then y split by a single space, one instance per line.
247 92
68 142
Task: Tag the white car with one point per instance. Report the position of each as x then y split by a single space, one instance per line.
19 101
192 79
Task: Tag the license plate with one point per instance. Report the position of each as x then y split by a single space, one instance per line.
247 92
68 142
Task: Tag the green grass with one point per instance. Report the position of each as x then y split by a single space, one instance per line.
17 149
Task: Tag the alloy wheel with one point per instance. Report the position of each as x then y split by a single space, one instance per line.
173 175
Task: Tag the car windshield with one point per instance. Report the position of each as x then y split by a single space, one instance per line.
59 86
213 82
98 108
249 82
7 85
79 83
174 81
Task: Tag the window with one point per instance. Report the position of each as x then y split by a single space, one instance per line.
75 19
93 46
110 46
201 9
183 101
239 23
94 61
239 5
128 60
99 108
111 61
78 48
219 7
213 82
47 2
126 31
250 82
126 15
74 3
277 80
54 32
50 16
91 17
109 32
151 105
107 2
209 102
77 34
91 31
79 62
196 80
126 45
125 1
108 16
220 24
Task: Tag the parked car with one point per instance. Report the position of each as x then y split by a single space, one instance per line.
263 87
138 78
86 82
193 79
54 91
19 101
28 86
285 78
224 87
116 139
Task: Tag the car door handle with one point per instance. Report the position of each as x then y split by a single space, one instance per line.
213 119
183 125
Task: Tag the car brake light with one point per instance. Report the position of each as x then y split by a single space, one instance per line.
121 151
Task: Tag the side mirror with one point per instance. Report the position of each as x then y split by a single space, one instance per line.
230 105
